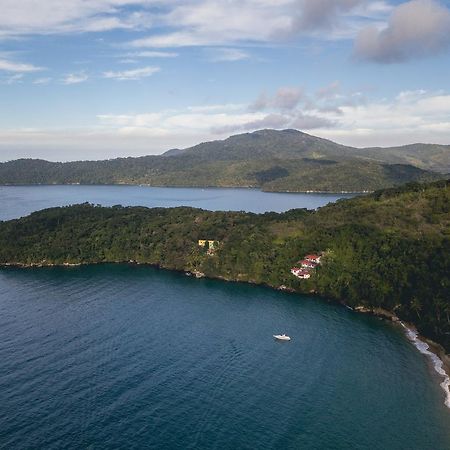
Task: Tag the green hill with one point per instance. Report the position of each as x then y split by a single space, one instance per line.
426 156
389 249
287 160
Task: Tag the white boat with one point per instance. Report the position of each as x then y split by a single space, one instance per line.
282 337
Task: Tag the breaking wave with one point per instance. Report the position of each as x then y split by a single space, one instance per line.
438 364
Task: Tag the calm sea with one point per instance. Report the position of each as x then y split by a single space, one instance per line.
119 357
17 201
129 357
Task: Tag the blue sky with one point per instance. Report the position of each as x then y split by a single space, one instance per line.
107 78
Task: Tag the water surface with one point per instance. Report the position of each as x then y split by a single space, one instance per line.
18 201
129 357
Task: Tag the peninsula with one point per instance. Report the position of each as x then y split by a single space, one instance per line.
389 250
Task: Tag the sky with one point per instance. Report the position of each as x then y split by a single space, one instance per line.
99 79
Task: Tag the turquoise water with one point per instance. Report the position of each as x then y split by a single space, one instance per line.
130 357
17 201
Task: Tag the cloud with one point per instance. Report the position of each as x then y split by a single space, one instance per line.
220 23
415 29
176 23
285 98
135 74
310 122
75 78
262 102
330 91
45 80
55 16
267 121
322 14
151 54
409 116
12 66
228 54
13 79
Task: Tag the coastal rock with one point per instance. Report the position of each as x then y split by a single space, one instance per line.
198 274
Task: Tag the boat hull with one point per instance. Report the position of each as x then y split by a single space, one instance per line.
281 337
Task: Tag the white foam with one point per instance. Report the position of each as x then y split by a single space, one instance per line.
437 362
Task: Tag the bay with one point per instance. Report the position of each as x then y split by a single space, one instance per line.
117 356
132 357
18 201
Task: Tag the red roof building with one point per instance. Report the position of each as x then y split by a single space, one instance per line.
308 263
313 258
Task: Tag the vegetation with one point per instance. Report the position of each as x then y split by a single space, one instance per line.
272 160
390 249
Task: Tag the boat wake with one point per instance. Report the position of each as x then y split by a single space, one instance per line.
438 365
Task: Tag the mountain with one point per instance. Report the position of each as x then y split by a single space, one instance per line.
389 250
426 156
286 160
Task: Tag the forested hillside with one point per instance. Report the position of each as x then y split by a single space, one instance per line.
390 249
287 160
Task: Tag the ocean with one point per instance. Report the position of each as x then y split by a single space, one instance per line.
131 357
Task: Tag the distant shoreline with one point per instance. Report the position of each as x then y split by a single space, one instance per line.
411 333
256 188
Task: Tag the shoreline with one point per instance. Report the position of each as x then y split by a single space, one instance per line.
437 356
434 352
256 188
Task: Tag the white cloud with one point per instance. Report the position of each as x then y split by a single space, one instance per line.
12 66
212 108
56 16
311 122
75 78
220 23
417 28
12 79
45 80
228 54
330 91
177 23
415 116
151 54
409 116
285 98
134 74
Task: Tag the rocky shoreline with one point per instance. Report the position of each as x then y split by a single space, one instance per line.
438 357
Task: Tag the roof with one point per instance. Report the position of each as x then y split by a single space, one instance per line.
307 262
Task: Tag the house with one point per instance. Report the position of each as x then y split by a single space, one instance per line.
303 274
306 263
211 246
313 258
203 242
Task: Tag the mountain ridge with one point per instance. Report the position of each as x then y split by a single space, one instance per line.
273 160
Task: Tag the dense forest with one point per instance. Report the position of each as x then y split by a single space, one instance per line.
389 249
287 160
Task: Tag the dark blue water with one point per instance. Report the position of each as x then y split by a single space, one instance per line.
17 201
128 357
